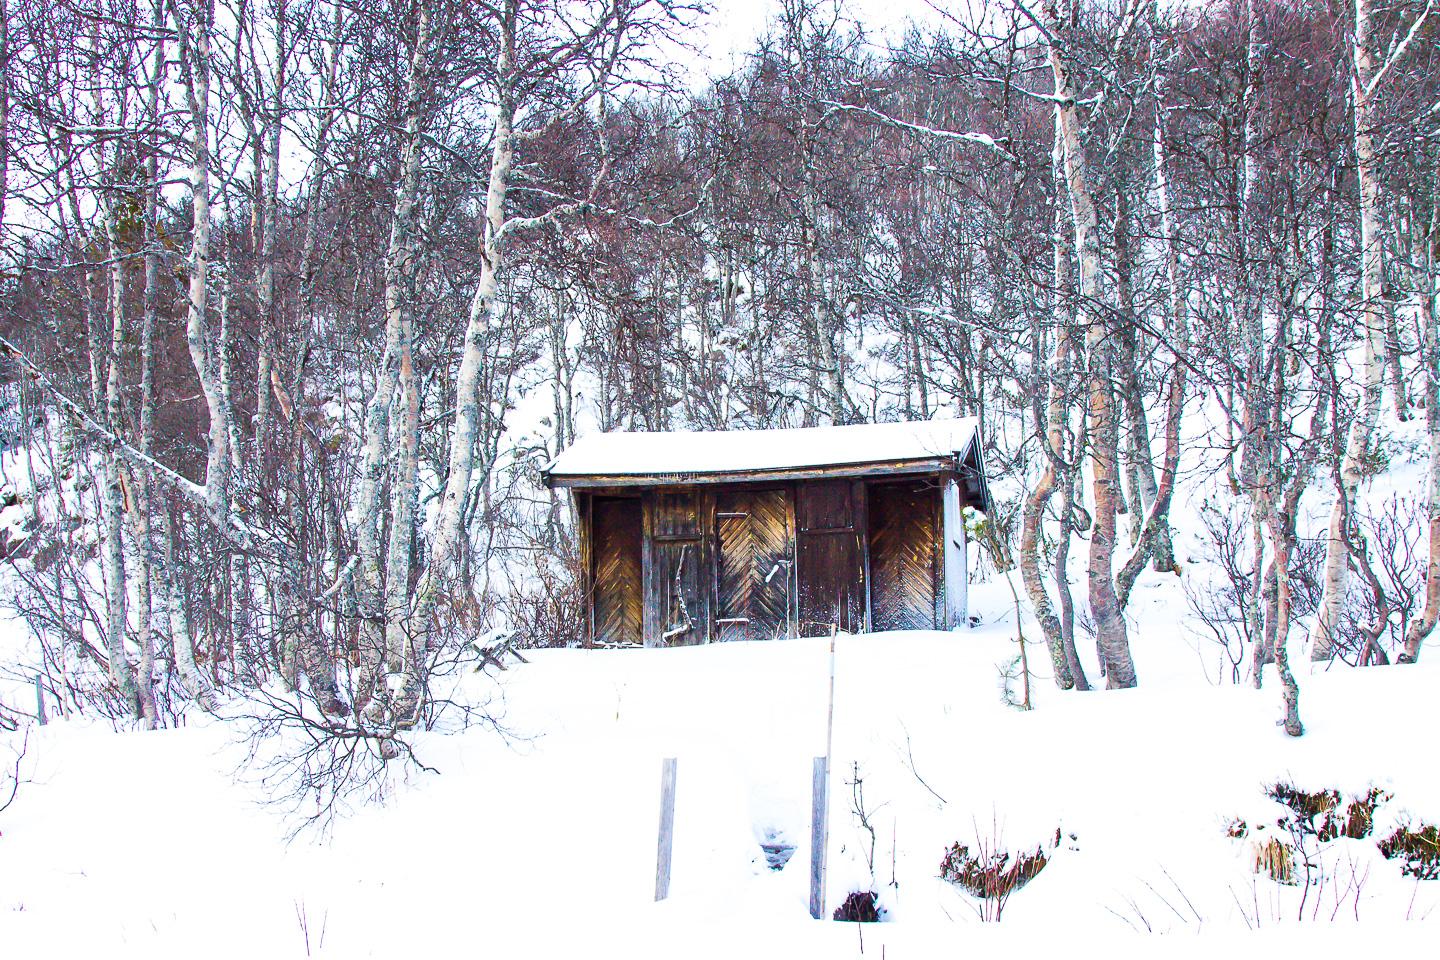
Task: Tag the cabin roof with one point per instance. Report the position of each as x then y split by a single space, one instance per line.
719 456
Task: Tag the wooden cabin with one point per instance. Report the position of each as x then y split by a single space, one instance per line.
697 537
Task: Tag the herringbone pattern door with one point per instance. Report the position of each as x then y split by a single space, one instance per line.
617 583
904 555
754 565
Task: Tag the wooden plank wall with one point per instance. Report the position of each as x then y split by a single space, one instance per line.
678 566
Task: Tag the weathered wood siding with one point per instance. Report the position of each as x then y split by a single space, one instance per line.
616 592
829 556
680 565
677 567
905 556
754 564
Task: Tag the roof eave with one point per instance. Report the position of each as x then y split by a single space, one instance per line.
927 465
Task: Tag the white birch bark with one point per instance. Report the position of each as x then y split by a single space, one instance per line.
1052 421
265 287
194 35
112 507
1362 427
399 553
1424 254
445 539
399 267
177 617
1110 631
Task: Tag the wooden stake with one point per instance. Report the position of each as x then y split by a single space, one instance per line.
820 801
40 702
667 828
819 818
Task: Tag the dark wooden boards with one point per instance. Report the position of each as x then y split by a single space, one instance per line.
616 592
753 564
680 565
905 556
677 568
830 574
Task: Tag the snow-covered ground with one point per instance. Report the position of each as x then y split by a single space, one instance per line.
543 842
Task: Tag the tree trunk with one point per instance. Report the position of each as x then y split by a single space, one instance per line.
177 616
1362 427
400 260
1110 632
445 541
1426 287
194 37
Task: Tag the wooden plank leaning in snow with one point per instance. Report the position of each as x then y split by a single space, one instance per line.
666 844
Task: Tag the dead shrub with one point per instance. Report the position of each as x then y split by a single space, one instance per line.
1321 813
1419 849
1306 805
861 906
991 874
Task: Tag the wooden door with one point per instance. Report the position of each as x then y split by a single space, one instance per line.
830 571
904 522
753 564
616 593
678 575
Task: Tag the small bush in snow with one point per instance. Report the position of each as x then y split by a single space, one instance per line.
1308 806
861 906
1419 848
1321 812
991 874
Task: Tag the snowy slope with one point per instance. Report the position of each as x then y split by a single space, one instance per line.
543 843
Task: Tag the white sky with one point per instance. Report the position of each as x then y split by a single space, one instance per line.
729 31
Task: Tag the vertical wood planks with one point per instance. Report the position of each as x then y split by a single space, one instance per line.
830 573
678 568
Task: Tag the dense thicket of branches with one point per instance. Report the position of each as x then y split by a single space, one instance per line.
299 294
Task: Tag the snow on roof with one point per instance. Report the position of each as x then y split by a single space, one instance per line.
747 451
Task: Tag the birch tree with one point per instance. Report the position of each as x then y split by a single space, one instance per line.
1371 63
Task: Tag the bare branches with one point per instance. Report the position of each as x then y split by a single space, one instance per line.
980 139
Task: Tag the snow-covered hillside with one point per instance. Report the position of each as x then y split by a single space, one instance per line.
542 842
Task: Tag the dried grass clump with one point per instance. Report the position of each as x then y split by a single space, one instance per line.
1306 805
1275 857
1324 813
1418 848
990 877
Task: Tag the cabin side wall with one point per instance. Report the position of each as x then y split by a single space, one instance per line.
957 573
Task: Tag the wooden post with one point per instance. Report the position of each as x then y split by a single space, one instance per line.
819 821
40 702
667 828
820 800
